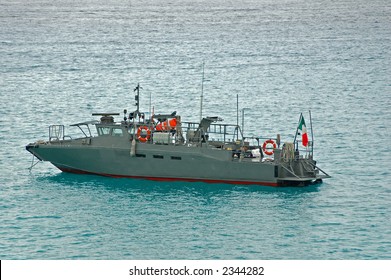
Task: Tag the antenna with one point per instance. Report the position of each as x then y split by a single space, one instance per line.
202 89
237 116
137 97
150 106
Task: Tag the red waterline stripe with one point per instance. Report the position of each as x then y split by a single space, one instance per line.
164 179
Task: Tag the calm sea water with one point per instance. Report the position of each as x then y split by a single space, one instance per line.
63 60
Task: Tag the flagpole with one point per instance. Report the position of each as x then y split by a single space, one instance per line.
312 135
297 129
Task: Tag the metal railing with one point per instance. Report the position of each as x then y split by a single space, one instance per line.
56 132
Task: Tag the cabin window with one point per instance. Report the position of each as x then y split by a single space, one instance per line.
176 158
117 132
103 130
158 156
140 155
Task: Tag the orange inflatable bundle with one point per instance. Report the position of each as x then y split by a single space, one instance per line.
166 125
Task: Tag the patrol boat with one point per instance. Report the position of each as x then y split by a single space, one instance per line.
163 147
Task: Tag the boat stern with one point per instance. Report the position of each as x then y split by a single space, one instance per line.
300 172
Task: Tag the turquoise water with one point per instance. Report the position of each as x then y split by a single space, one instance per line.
62 61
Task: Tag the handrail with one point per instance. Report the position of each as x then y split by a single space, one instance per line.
56 132
314 165
290 171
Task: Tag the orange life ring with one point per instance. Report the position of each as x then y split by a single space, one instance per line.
140 137
266 149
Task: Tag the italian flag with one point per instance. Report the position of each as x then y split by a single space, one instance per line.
303 129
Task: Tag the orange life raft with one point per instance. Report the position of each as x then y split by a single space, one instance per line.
166 125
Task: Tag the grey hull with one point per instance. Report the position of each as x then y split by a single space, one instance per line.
158 162
179 164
